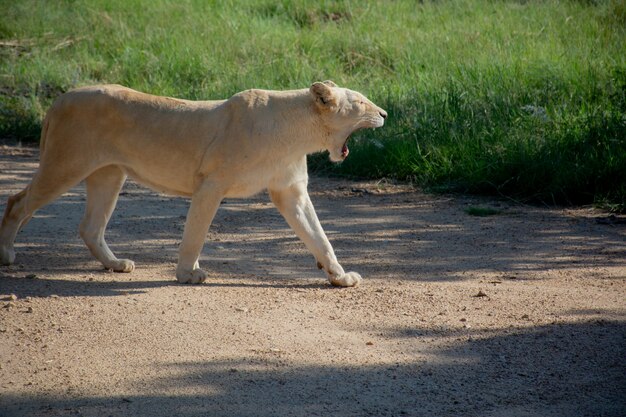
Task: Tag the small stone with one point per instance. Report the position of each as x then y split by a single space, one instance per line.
464 319
29 310
31 276
369 343
9 305
242 309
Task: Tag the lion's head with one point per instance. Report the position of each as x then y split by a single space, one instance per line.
343 112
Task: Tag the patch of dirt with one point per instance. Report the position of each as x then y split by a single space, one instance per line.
519 314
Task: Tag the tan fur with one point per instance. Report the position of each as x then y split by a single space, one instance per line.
206 150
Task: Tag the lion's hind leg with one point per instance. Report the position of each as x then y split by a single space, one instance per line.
103 187
13 219
46 186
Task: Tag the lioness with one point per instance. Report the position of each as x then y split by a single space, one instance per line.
206 150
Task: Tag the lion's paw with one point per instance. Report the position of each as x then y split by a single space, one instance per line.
7 255
195 276
122 265
349 279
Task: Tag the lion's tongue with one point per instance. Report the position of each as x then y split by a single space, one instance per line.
344 150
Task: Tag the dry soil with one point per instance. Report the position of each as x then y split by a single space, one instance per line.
522 313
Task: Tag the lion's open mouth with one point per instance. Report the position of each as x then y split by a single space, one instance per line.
344 149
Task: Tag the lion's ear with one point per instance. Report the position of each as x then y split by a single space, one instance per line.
323 95
330 83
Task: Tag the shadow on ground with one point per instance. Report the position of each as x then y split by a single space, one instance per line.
407 235
483 374
572 370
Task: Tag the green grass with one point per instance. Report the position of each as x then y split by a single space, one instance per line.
519 98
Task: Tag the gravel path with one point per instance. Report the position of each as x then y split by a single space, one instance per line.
522 313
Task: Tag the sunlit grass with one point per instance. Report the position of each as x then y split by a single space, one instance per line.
524 99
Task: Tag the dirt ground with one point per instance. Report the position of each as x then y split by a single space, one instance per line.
517 314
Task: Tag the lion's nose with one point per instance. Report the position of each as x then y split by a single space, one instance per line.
383 114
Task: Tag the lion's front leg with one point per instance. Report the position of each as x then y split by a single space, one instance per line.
204 204
295 205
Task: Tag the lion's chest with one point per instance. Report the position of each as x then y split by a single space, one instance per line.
243 189
275 175
249 181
